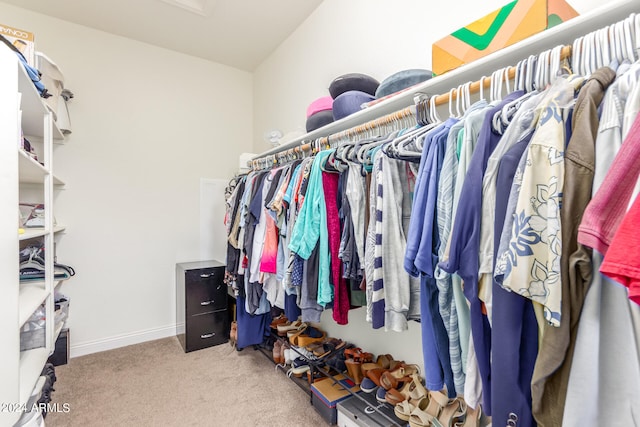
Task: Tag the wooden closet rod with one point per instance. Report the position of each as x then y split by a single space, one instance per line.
398 115
441 99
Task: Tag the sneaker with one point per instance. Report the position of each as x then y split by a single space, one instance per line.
299 362
368 386
380 395
305 353
297 372
289 355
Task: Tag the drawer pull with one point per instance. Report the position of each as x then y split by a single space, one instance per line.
207 302
205 336
206 275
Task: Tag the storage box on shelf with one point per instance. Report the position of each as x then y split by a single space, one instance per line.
23 179
327 393
364 410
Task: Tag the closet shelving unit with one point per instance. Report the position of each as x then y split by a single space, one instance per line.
22 112
563 34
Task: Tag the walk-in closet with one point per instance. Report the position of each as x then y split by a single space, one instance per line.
320 212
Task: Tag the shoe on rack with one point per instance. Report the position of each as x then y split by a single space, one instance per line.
368 386
284 328
354 371
280 320
298 371
277 352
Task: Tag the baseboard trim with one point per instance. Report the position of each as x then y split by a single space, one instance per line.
118 341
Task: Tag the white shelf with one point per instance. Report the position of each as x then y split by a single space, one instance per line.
31 172
31 297
31 233
33 109
57 331
31 364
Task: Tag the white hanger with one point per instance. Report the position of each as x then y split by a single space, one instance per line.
433 113
629 39
587 51
482 97
507 80
467 91
637 34
576 54
451 92
604 46
555 63
530 72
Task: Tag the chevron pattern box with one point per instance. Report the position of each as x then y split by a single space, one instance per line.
501 28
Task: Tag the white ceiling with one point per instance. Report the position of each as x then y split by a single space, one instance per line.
238 33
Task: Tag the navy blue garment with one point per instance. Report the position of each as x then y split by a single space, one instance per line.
465 244
514 334
252 329
422 246
291 309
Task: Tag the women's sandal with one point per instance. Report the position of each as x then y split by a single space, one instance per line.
308 336
412 389
417 396
289 326
327 346
452 414
280 320
367 366
425 416
391 378
472 419
354 370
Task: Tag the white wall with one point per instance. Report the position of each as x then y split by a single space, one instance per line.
148 124
374 37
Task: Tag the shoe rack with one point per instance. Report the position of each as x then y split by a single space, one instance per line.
316 367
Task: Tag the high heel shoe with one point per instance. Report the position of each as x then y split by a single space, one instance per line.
354 370
402 373
408 397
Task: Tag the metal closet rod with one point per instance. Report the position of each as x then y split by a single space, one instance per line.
564 34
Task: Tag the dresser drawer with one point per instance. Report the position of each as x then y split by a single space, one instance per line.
205 292
205 330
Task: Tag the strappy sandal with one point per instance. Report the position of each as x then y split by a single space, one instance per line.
452 414
416 397
424 417
402 373
472 418
406 391
308 336
327 346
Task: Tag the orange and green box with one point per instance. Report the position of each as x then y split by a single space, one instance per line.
501 28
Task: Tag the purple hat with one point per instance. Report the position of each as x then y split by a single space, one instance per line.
349 102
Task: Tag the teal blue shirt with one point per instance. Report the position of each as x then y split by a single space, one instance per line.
311 226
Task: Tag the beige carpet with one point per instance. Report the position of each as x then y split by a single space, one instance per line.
157 384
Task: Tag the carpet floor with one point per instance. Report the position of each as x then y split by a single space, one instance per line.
157 384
